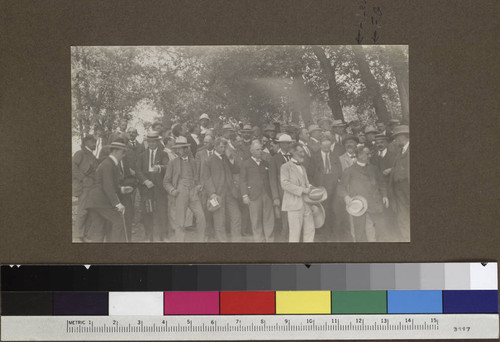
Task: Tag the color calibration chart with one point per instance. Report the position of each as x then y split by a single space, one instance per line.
250 302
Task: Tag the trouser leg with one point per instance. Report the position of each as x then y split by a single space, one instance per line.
233 209
268 218
219 217
295 221
114 217
96 231
255 210
359 223
195 206
308 229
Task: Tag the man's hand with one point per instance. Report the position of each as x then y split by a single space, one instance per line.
306 191
386 201
347 199
276 202
120 207
386 171
246 199
126 189
148 184
157 168
175 193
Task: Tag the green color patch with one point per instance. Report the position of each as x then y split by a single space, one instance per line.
359 302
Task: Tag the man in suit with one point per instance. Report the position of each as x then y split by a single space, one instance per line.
134 147
84 165
280 158
327 173
256 193
303 140
399 181
169 142
244 147
338 130
201 157
364 179
349 157
325 124
295 183
384 159
103 202
219 185
370 133
120 130
314 143
270 132
204 125
183 185
150 170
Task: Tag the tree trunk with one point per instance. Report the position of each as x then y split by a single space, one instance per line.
301 99
372 86
400 67
333 93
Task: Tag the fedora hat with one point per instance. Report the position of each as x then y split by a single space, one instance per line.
153 135
228 127
357 206
381 137
181 142
330 122
247 128
284 138
338 123
117 145
402 129
316 195
313 128
318 214
350 137
204 116
270 128
370 129
214 207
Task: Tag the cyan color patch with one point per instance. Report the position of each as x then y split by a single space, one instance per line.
414 302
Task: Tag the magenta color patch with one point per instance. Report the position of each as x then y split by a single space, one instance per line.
191 303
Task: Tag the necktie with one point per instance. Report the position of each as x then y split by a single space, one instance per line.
122 170
151 161
327 164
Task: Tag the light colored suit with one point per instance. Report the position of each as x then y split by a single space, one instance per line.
300 220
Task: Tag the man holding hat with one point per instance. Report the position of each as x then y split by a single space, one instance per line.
399 181
104 206
314 143
364 179
221 189
150 170
84 165
183 185
281 157
295 184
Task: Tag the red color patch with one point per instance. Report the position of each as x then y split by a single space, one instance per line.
247 303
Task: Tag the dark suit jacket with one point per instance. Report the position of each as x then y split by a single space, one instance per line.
401 167
83 165
104 194
274 175
142 170
314 146
173 173
329 181
217 176
200 158
364 181
133 153
244 150
254 179
338 149
384 163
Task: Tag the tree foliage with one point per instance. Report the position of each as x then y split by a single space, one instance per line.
254 84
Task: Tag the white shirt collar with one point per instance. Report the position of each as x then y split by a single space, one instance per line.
256 160
360 163
303 143
217 154
88 149
114 159
316 140
405 147
383 152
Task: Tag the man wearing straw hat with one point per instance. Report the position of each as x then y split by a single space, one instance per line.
295 184
183 185
150 169
364 179
105 209
399 181
314 143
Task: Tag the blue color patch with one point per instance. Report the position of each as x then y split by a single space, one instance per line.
470 301
414 302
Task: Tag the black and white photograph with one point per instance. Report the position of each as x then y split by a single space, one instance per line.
241 144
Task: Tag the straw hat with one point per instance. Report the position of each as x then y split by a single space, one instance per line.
247 128
318 214
153 135
313 128
330 122
117 145
204 116
381 137
316 195
403 129
357 206
181 142
338 123
370 129
228 127
350 137
270 128
284 138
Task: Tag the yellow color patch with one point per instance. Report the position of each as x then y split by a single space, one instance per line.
303 302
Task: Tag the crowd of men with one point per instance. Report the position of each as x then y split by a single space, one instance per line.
329 181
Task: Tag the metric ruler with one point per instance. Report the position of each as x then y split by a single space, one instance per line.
250 327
